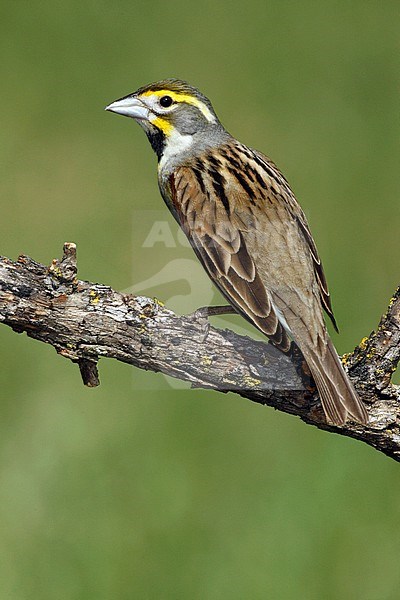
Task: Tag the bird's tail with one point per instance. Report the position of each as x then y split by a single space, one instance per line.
337 393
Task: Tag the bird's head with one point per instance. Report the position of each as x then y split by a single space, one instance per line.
174 115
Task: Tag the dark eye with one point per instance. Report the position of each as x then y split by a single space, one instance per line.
166 101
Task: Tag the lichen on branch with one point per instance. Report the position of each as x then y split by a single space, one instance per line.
86 321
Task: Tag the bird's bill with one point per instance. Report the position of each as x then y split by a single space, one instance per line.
129 107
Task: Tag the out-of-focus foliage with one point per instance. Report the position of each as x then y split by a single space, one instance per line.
139 489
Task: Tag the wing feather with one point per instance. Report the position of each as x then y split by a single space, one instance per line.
300 217
253 239
222 249
318 269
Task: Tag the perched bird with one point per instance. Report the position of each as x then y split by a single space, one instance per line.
247 229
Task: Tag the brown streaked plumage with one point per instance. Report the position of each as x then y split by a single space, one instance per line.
246 228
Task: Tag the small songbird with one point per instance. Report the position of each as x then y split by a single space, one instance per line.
246 228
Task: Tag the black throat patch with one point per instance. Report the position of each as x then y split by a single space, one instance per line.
157 141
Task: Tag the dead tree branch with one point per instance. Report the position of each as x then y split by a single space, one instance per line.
85 321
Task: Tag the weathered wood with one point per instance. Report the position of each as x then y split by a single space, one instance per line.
85 321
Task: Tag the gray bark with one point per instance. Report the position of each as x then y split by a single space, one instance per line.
85 321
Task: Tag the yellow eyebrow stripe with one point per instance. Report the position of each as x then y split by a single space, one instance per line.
177 97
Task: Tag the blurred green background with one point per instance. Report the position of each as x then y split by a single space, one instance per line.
137 489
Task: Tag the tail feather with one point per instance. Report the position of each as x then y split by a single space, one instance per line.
337 393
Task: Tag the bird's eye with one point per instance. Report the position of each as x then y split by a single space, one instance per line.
166 101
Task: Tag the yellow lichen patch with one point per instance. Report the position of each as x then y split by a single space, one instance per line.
231 381
159 302
251 381
94 298
206 361
363 344
345 358
55 270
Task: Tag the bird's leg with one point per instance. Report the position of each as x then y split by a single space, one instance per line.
201 316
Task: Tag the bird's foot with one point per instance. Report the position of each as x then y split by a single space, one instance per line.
201 315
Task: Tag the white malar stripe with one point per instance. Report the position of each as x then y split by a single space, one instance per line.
176 143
